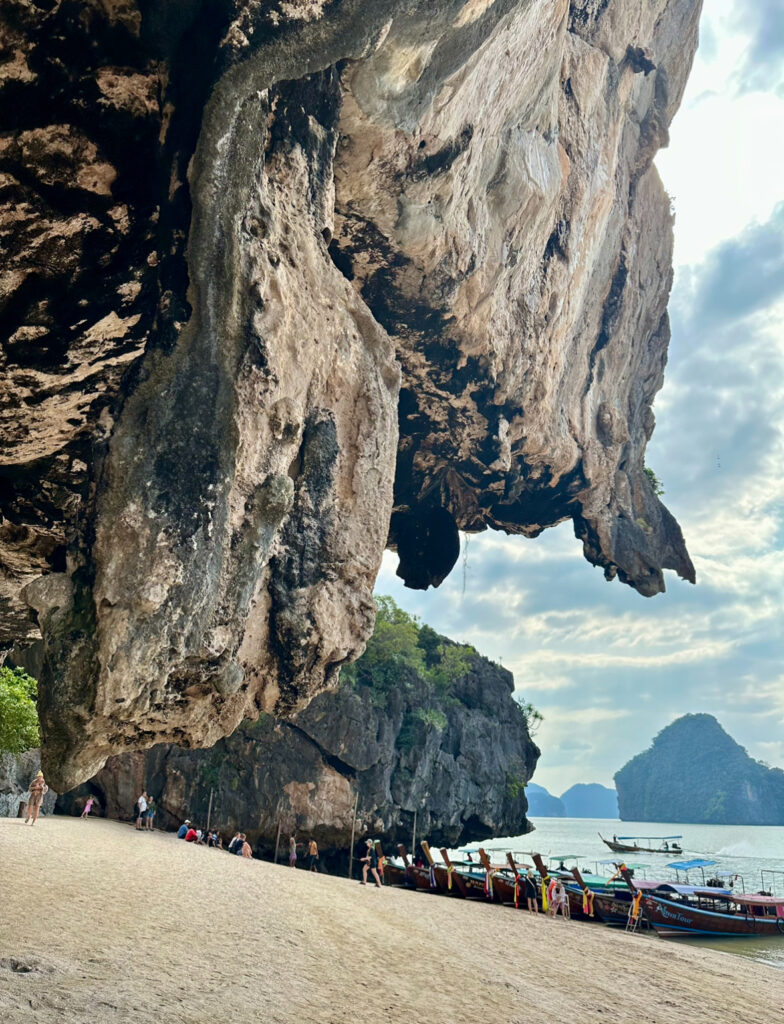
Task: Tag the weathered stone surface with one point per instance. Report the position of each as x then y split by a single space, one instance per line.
16 774
464 775
229 231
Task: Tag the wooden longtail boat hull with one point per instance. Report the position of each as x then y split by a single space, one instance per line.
625 848
614 910
395 875
670 919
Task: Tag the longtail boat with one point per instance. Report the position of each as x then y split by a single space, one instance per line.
468 877
573 896
608 904
498 884
621 844
442 875
419 877
393 874
709 912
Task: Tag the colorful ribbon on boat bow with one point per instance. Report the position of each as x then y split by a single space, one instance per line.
449 871
544 894
587 901
635 912
517 888
489 884
433 877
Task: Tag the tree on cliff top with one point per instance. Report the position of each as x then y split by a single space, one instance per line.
18 712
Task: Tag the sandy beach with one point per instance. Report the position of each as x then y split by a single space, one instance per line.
100 923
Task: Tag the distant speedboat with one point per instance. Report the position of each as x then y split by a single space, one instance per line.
631 844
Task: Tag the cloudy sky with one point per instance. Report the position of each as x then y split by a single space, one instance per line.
608 668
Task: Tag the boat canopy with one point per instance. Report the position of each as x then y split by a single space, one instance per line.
683 890
687 865
649 839
564 856
757 900
626 864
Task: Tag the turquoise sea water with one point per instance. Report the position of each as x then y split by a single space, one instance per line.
742 849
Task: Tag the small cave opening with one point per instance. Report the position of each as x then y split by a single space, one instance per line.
341 259
427 543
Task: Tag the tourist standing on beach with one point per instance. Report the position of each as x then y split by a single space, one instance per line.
38 790
88 806
370 863
558 900
531 889
141 810
292 851
313 854
150 818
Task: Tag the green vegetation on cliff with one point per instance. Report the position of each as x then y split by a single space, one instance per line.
18 712
694 772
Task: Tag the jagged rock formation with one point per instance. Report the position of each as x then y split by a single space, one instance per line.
460 760
229 230
590 800
542 803
695 772
16 774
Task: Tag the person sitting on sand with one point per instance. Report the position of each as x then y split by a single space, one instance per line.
313 854
182 831
531 891
237 838
141 810
191 836
150 816
370 863
38 790
245 850
88 807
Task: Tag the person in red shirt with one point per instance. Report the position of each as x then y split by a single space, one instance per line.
191 835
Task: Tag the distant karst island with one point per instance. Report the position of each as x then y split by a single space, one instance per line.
695 772
583 800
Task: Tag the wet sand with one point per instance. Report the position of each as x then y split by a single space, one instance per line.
101 923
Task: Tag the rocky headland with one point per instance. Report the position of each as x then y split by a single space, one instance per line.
286 283
458 757
695 772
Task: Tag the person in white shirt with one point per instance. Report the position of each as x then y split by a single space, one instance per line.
141 810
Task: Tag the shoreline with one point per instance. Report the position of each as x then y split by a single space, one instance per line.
106 924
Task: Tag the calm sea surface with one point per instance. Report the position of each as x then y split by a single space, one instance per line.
743 849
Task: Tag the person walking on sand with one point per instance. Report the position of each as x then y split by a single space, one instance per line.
531 891
38 790
150 816
141 810
370 863
88 807
292 851
313 854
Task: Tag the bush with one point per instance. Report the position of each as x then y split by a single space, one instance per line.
18 711
654 481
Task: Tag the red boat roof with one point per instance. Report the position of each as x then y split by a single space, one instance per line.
758 901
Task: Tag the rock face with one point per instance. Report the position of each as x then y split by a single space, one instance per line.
461 762
695 772
231 231
16 774
590 800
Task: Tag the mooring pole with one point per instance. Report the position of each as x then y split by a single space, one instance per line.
353 826
277 842
413 837
209 809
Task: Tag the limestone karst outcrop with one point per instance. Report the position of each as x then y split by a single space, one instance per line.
459 759
289 281
694 772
